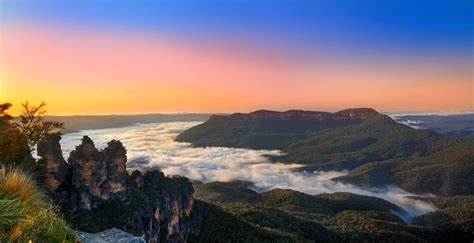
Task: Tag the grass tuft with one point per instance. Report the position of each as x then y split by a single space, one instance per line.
26 213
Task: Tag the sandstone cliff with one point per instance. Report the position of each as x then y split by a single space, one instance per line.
56 171
349 114
97 193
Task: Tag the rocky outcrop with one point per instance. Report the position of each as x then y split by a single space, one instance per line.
89 175
166 217
151 205
94 176
115 158
55 171
349 114
113 235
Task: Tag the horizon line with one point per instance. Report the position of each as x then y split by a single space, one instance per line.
389 113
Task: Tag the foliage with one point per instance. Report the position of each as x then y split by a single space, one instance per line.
283 221
13 146
218 225
33 127
25 213
18 138
454 222
336 217
4 116
141 202
376 151
446 172
229 192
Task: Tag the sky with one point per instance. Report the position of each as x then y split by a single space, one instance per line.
128 57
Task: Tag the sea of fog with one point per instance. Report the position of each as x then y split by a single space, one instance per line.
153 146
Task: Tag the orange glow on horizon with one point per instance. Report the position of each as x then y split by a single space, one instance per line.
109 73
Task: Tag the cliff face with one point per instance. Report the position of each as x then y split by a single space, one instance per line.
152 205
168 210
115 158
89 175
56 170
94 175
349 114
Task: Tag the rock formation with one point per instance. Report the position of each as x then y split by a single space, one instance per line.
56 171
349 114
109 236
150 205
115 158
89 175
168 212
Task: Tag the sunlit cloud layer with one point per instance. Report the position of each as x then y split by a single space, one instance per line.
153 146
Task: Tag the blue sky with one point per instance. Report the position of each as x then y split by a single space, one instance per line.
365 25
183 56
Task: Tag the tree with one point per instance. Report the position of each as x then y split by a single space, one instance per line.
33 127
18 138
13 148
4 116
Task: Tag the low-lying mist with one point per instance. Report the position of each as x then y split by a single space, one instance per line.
153 145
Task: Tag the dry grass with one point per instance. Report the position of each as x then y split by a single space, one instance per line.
25 212
17 184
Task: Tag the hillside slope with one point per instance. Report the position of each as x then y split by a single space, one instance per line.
335 217
446 172
361 140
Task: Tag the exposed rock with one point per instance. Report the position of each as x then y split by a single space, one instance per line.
151 205
115 158
89 174
56 171
137 178
349 114
357 113
166 216
113 235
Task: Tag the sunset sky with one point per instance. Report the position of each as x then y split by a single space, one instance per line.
111 57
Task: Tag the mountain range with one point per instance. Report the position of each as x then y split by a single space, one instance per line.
375 149
452 125
76 123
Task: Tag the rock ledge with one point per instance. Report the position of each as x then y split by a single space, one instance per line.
109 236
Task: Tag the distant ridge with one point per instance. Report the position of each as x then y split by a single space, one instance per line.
76 123
461 125
354 113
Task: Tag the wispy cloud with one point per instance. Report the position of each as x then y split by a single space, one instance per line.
153 146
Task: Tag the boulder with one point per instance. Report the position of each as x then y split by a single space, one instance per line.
113 235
